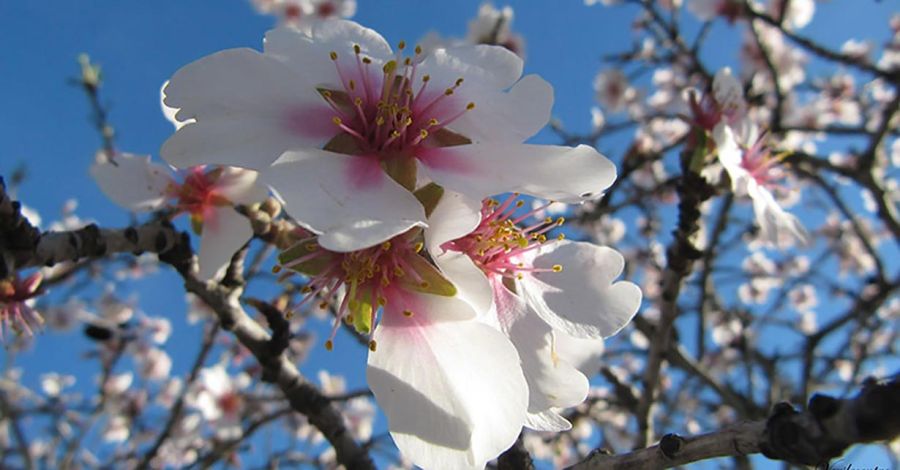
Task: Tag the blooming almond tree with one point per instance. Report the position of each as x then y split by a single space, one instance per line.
420 255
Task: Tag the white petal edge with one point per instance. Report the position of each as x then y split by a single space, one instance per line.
455 216
453 391
225 231
132 181
319 190
582 300
248 108
563 174
552 382
512 116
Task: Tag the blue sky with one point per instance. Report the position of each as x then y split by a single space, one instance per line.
139 44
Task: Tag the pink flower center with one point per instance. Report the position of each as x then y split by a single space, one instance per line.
14 312
230 403
198 193
391 110
499 246
761 164
361 282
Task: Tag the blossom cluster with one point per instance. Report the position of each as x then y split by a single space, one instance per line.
388 161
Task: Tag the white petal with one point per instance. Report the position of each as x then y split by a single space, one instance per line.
311 52
453 391
583 353
777 226
224 232
170 112
564 174
248 107
241 186
582 300
471 283
549 420
485 66
132 181
552 382
455 216
349 200
512 116
729 155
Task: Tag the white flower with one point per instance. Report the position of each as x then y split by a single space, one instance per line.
207 194
302 13
751 170
798 14
450 386
53 384
220 399
534 292
613 91
493 26
355 127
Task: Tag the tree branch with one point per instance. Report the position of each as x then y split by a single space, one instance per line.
812 437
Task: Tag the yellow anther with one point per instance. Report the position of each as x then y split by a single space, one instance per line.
407 61
399 272
418 49
557 268
356 48
358 101
459 81
395 133
305 290
367 60
424 285
448 91
390 66
520 203
326 94
423 133
560 221
379 121
333 55
401 45
542 238
311 246
425 78
419 247
276 269
470 106
352 84
548 220
336 120
519 276
561 237
382 301
433 122
386 246
373 345
407 313
289 315
323 305
329 345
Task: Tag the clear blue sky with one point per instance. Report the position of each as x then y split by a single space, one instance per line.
140 44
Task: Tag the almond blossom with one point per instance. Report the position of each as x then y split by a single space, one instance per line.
208 194
17 304
753 170
302 12
451 386
353 127
533 289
